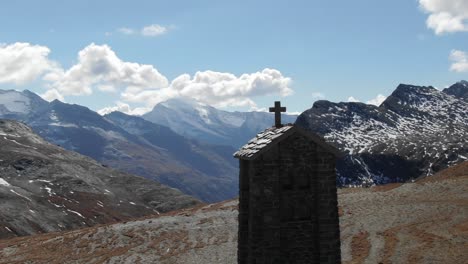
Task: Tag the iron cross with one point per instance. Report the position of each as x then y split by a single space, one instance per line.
278 109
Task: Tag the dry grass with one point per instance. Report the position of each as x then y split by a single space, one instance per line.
422 222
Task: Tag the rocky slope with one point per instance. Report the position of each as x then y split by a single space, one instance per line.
415 132
421 222
45 188
459 90
205 123
130 144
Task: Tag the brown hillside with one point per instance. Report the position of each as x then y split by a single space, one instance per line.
422 222
460 170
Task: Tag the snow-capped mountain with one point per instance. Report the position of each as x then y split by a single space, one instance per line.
14 103
415 132
205 123
45 188
130 144
459 90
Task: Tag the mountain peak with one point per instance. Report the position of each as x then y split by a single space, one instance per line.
459 90
408 95
409 88
15 102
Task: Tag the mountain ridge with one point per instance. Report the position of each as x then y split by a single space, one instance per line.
80 129
417 128
45 188
205 123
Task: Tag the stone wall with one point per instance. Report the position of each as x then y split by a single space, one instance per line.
288 205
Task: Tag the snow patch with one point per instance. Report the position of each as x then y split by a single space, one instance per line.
16 142
58 124
4 183
49 190
75 212
47 181
53 116
15 102
203 113
20 195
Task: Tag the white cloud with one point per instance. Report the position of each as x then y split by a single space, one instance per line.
98 66
124 108
51 95
353 100
22 63
460 61
154 30
258 109
318 95
377 100
446 16
217 88
126 30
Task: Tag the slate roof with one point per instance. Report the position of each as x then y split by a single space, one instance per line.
272 136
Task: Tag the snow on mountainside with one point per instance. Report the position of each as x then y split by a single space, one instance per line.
414 132
460 90
205 123
14 102
209 174
45 188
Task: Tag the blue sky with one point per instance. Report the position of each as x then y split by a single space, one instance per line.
126 54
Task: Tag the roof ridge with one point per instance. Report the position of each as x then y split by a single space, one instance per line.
272 135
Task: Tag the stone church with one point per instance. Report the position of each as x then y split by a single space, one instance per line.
288 210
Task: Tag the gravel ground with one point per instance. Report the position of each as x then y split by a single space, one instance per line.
421 222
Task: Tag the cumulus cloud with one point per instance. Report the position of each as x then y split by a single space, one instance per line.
446 16
377 100
153 30
351 99
124 108
22 63
51 95
98 66
460 61
217 88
